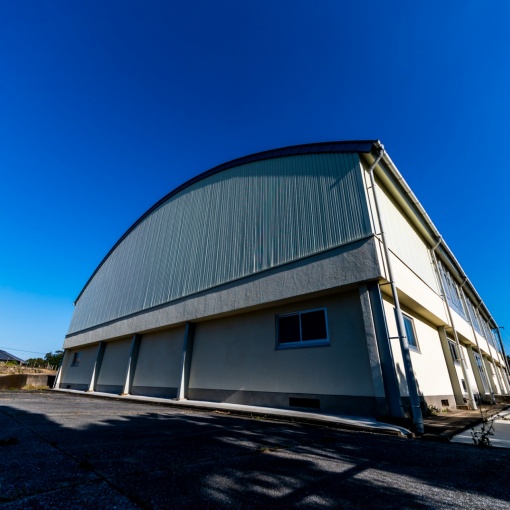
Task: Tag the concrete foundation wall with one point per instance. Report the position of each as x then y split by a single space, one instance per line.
238 353
16 381
345 404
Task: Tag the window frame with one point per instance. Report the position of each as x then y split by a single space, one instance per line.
453 348
302 343
416 347
75 362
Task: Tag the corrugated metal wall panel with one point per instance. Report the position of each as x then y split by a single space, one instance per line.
232 224
405 242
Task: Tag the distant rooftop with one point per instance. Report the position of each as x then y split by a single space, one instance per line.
5 356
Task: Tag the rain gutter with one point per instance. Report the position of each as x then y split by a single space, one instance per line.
404 345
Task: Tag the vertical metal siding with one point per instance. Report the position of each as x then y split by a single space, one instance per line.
405 242
232 224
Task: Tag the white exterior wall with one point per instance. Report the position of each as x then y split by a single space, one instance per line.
82 373
159 359
429 363
115 362
238 353
493 377
403 238
419 288
464 328
416 294
471 382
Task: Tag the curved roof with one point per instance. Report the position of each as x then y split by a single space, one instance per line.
237 219
358 146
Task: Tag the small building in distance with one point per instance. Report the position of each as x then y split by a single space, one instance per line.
307 277
5 356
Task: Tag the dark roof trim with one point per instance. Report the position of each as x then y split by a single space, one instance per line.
358 146
5 356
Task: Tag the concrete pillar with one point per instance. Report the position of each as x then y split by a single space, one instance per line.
476 371
187 354
490 373
387 364
498 377
493 353
131 368
504 376
373 352
503 379
97 366
61 368
450 365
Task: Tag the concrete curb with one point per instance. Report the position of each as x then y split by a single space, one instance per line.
364 424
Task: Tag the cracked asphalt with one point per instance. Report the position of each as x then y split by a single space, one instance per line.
63 451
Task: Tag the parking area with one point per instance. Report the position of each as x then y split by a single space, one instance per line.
72 451
499 436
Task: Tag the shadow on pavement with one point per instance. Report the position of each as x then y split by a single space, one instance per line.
76 452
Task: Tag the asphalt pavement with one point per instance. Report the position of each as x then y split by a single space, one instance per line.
500 436
71 451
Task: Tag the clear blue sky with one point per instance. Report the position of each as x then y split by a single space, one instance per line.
107 106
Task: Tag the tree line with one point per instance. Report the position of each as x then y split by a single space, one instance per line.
51 358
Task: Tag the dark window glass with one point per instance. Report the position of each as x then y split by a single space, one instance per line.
453 350
288 329
411 338
313 325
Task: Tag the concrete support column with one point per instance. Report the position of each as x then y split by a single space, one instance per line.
504 380
490 374
385 354
476 371
504 376
63 363
450 365
498 377
373 352
187 354
97 366
504 361
493 353
133 359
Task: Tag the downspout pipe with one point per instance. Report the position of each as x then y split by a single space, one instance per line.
452 324
404 345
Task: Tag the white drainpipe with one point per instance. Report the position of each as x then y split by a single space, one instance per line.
404 345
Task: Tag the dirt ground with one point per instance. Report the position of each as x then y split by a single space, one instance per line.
8 369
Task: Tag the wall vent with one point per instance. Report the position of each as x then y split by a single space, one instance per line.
313 403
